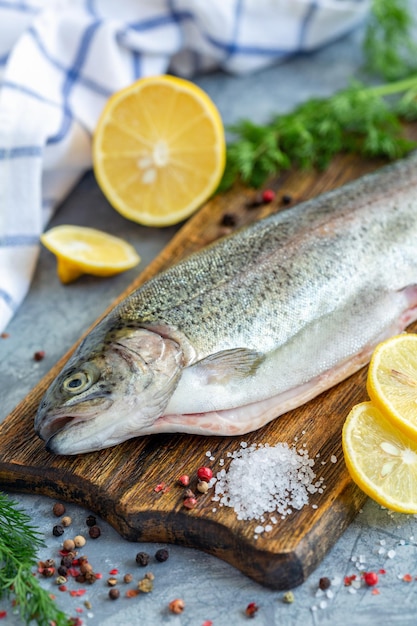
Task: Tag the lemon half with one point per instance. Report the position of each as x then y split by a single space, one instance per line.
159 150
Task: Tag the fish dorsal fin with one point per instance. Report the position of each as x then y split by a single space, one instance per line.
228 364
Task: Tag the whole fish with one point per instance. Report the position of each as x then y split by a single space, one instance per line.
250 327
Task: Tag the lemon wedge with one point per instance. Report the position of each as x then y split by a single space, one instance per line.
81 250
392 381
380 458
159 150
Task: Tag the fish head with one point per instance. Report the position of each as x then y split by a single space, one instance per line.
113 388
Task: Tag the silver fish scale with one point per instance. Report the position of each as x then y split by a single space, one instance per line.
263 284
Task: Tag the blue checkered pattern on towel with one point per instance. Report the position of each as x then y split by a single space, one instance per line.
61 59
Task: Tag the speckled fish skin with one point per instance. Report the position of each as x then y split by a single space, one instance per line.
250 327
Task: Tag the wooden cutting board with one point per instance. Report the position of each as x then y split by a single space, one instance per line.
119 483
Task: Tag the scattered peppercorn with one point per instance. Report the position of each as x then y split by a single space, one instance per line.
229 219
66 521
288 597
132 593
176 606
370 578
80 578
66 560
189 493
142 558
90 577
268 195
48 572
68 545
88 604
324 583
62 570
114 594
58 509
286 198
94 532
58 530
91 520
127 578
39 355
79 541
145 585
112 582
204 473
61 580
184 480
86 567
162 555
251 609
149 576
190 503
202 486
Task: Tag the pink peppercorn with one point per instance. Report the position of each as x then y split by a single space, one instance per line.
184 480
205 473
268 195
190 503
370 578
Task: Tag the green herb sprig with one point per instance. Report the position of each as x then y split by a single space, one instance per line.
389 48
358 119
19 542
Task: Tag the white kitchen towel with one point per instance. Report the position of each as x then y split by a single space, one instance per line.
61 59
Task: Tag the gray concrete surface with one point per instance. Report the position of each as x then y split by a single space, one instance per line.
53 317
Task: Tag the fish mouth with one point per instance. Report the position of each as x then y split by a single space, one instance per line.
49 425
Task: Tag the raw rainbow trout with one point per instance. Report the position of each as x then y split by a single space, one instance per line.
250 327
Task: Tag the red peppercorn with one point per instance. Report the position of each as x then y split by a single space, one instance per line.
205 473
184 480
39 355
268 195
370 578
190 503
251 609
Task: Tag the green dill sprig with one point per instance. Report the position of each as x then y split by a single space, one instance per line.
359 119
389 46
19 542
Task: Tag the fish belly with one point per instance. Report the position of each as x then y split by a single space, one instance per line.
316 359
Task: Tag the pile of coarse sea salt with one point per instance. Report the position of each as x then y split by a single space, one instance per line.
263 480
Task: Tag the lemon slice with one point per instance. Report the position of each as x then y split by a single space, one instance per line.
392 381
159 150
81 250
380 458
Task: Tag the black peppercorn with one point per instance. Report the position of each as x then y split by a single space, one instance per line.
58 530
114 593
142 558
66 561
324 583
91 520
161 555
286 198
62 570
94 532
228 219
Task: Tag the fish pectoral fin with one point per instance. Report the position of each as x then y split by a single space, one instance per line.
224 366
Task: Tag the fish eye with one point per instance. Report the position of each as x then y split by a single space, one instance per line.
77 382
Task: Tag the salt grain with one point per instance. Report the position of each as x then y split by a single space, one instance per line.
264 479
